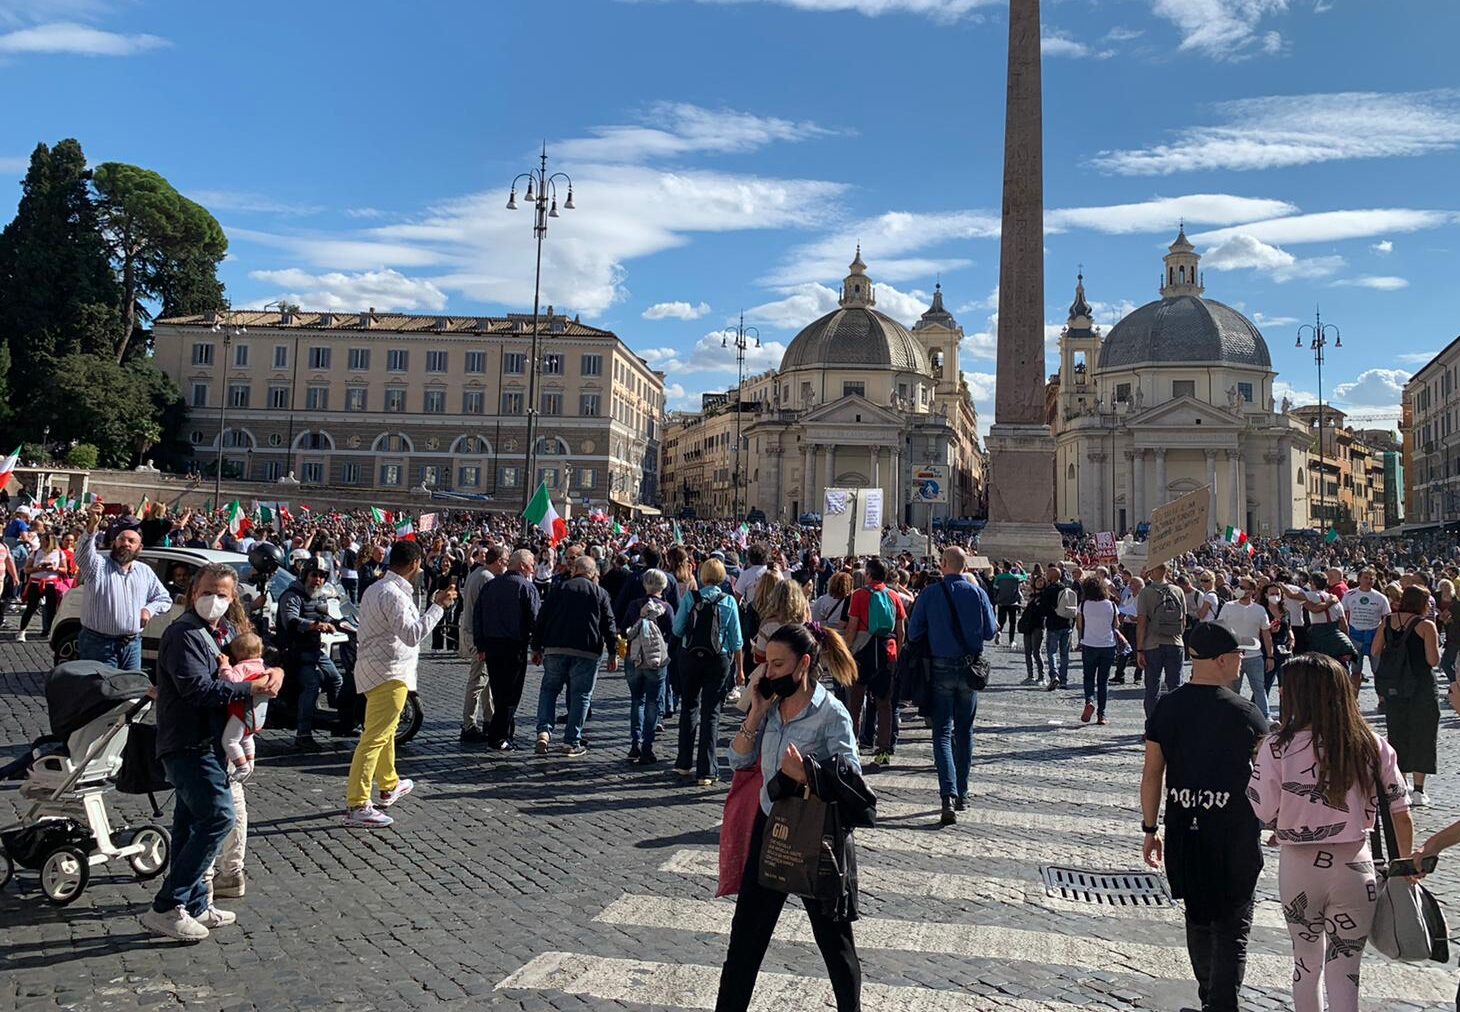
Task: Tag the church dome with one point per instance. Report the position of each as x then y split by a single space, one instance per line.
855 335
1183 326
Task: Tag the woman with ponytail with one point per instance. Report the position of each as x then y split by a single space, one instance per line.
791 715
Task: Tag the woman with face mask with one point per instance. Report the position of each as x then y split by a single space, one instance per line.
791 715
1280 628
192 706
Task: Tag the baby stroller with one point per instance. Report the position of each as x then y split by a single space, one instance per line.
65 831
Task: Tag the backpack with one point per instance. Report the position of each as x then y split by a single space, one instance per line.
648 650
1395 677
702 641
1067 604
1168 618
881 615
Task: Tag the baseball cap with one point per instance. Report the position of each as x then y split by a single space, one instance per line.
1207 641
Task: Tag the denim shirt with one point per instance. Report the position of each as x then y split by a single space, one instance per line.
823 729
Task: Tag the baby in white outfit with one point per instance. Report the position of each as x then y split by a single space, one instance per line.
243 662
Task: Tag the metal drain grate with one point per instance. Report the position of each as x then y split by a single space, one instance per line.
1107 888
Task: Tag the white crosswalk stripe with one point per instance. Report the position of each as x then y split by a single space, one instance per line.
996 942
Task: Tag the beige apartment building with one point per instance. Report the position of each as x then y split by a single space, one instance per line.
1431 427
398 402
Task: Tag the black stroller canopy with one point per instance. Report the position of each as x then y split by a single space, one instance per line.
80 691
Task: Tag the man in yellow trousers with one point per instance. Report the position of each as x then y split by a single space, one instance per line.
390 635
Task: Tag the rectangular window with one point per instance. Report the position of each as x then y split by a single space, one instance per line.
1122 393
586 478
588 405
319 358
476 361
200 395
390 474
431 475
512 403
202 354
359 359
551 404
355 398
281 356
273 470
806 391
317 398
312 473
514 363
395 400
1183 388
238 395
592 365
473 402
850 389
350 474
397 360
278 397
468 477
548 475
552 364
240 356
436 361
435 402
509 477
1244 390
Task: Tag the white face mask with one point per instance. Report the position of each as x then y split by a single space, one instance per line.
211 607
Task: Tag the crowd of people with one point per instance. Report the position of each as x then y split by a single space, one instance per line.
1251 662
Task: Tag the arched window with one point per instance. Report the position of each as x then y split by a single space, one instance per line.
1070 472
237 439
1171 275
552 446
393 442
470 446
318 440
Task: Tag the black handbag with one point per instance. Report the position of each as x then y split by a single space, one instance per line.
975 666
797 852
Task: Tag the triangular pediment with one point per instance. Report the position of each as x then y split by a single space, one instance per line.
1182 412
852 410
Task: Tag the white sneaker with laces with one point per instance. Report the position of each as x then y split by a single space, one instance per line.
20 636
388 798
734 696
1419 799
215 918
176 924
367 817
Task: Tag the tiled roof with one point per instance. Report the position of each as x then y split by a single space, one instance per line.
1185 328
512 323
855 336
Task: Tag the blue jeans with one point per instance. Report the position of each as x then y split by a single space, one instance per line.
1165 659
315 671
202 817
1254 669
646 690
1097 662
1057 642
578 674
122 653
954 706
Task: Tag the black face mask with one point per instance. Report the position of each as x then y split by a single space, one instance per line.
785 687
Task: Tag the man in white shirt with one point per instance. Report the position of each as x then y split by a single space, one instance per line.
1247 620
751 574
1366 607
390 637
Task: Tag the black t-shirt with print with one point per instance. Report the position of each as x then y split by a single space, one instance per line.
1208 735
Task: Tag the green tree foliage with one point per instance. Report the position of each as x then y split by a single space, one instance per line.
122 425
166 247
83 455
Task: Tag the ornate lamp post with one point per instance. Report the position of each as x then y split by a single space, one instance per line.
741 336
1318 341
229 333
542 194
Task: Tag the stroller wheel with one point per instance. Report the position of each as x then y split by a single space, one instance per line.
7 871
64 875
151 861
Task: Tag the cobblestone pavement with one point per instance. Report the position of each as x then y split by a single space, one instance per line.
519 882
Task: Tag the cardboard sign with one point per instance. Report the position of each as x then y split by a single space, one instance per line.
1180 526
1105 546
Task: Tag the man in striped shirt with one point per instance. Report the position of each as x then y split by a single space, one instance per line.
122 596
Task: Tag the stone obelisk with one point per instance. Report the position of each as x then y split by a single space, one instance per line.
1021 449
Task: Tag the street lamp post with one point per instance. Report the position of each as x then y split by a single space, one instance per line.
741 337
542 193
229 333
1318 341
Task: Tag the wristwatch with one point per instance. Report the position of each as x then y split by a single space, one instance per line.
1149 830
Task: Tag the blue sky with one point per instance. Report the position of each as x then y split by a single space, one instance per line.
729 154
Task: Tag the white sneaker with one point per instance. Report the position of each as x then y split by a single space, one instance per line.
238 774
367 817
20 636
1419 799
734 696
230 887
388 798
176 924
215 918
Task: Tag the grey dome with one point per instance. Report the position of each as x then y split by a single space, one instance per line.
1185 328
857 337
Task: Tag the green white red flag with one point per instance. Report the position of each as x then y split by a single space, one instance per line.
238 521
404 529
7 465
379 516
1235 536
541 514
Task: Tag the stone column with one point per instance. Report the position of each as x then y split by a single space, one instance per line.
1241 520
1212 487
1130 489
1234 475
1139 514
1285 490
1161 481
808 480
1275 490
830 471
877 466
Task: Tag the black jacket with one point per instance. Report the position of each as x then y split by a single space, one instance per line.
850 804
191 700
578 617
506 608
297 612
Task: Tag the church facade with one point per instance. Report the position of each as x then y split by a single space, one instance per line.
1176 397
859 400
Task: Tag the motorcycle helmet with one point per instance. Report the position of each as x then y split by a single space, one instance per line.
266 557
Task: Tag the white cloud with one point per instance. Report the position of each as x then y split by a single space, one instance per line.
1415 357
938 10
883 239
364 212
1222 29
247 202
1332 226
982 387
1381 283
672 129
76 39
715 353
1243 252
16 166
676 310
1383 248
1286 130
1122 34
383 289
1263 320
1056 43
800 305
1282 388
1163 213
1381 388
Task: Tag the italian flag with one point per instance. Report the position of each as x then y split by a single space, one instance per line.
618 528
7 465
266 515
379 516
1235 536
540 513
238 521
404 529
